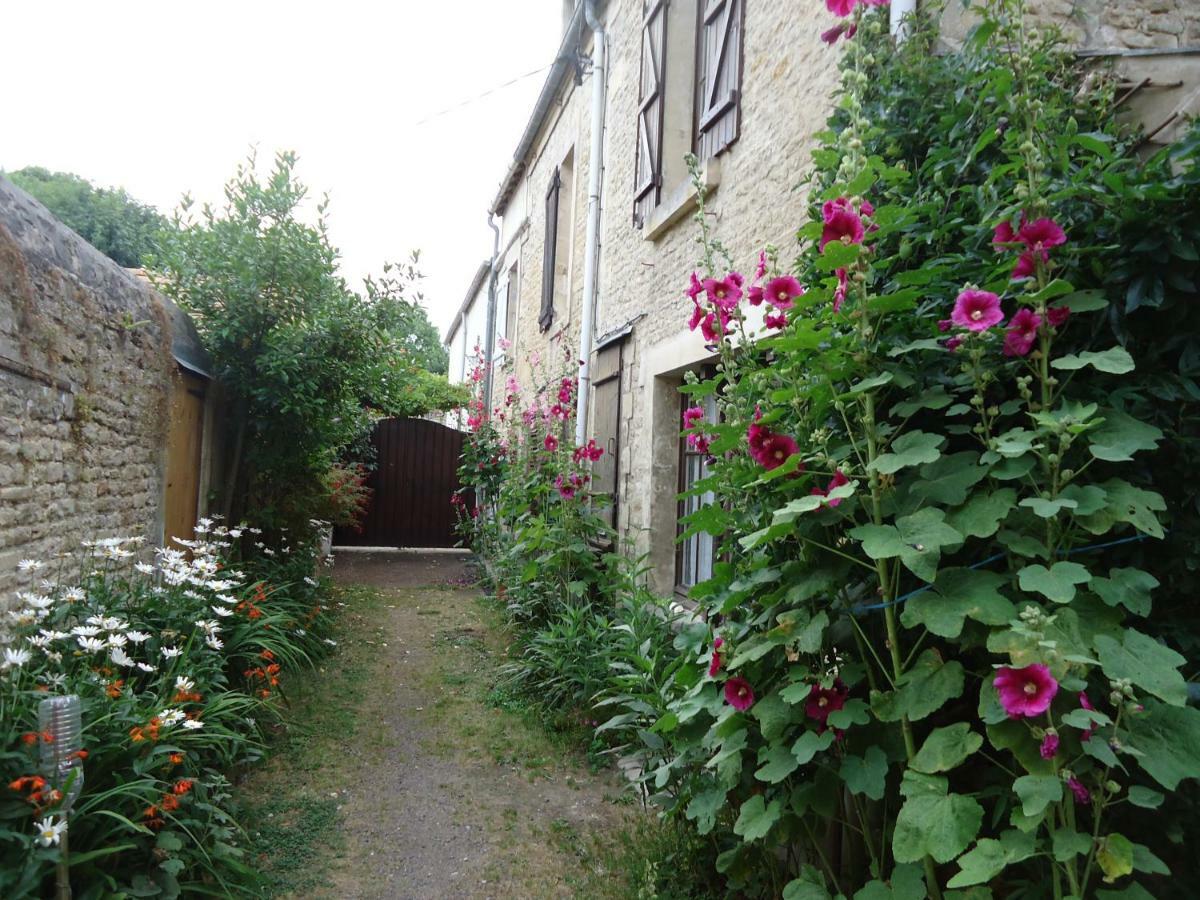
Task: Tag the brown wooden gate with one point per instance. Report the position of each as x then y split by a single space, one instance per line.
416 472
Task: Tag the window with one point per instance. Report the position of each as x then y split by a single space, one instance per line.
606 423
510 305
694 555
550 251
648 168
718 76
556 255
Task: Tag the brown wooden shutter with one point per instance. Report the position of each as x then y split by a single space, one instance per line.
550 252
719 76
648 168
606 425
510 305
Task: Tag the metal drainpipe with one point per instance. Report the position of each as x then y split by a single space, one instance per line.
592 240
900 11
489 340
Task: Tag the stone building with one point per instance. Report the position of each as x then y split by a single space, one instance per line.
745 85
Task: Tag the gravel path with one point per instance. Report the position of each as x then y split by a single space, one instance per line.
444 794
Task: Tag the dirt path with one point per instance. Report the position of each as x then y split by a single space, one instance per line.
406 778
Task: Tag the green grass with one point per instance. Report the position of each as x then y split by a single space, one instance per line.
283 840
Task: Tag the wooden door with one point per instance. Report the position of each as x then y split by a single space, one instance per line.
185 440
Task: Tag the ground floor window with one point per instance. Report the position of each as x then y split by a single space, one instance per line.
695 553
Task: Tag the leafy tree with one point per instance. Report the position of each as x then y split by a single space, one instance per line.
309 364
416 332
107 218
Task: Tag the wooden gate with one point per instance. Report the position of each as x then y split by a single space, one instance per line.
416 472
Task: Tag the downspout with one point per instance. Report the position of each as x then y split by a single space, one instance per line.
489 340
901 11
592 240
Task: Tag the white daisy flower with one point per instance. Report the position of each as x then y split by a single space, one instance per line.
215 643
38 601
50 831
311 581
170 717
74 595
144 568
182 683
14 658
38 641
85 630
53 634
113 624
193 724
137 637
30 565
120 657
54 656
222 611
209 627
331 642
171 652
117 640
91 644
146 667
57 680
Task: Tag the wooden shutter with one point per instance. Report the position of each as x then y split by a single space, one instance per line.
719 76
648 167
550 252
510 305
606 424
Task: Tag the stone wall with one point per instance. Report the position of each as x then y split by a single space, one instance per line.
85 369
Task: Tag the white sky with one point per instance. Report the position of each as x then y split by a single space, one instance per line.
163 98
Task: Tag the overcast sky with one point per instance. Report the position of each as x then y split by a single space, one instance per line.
162 98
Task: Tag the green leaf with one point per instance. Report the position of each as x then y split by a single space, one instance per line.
913 448
804 889
922 535
946 748
922 690
867 774
1114 361
1130 504
797 692
949 480
1056 288
756 818
854 712
959 594
1145 797
1144 860
878 541
1056 583
1037 792
1145 662
1127 587
1120 436
869 384
1048 509
810 744
938 826
704 807
989 857
777 763
1068 844
907 883
982 514
1114 854
774 714
1084 301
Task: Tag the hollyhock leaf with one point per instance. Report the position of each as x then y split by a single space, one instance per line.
1047 509
1128 587
1088 498
810 744
774 714
1056 583
922 690
1120 436
946 748
868 384
1114 361
989 708
1098 749
1084 301
1145 797
878 541
1069 844
896 301
916 784
1056 288
920 344
853 713
1015 442
940 827
756 817
802 889
866 774
982 514
913 448
704 807
794 509
1114 854
1131 505
1085 719
1012 468
1144 860
924 533
1131 892
776 764
796 693
1169 738
933 398
1147 663
837 255
1037 792
948 480
1022 544
960 593
1013 736
989 857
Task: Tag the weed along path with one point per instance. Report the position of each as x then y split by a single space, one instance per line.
402 777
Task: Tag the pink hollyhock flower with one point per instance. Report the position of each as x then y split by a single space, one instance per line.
953 343
726 292
755 295
550 443
782 292
697 315
843 224
558 411
823 701
1049 748
841 28
1026 265
1022 332
1057 316
701 442
977 310
739 694
713 326
1027 691
1085 703
756 437
593 451
776 449
695 288
1082 794
1003 234
774 321
837 481
715 666
565 488
944 325
841 7
691 416
761 269
1042 234
839 293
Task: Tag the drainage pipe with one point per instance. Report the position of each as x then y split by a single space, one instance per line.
592 241
489 350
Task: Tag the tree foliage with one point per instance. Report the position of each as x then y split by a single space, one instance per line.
107 218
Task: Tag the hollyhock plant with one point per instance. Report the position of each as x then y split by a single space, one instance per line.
1022 333
782 292
1057 316
726 292
837 481
841 7
776 448
550 443
846 29
1025 692
715 665
822 701
695 288
565 488
775 321
976 310
1082 794
739 693
713 326
1049 747
843 286
692 416
841 224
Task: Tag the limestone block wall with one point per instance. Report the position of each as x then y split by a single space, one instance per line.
85 368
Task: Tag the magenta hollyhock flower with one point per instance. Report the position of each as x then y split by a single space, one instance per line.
774 321
756 437
739 694
565 488
701 442
837 481
1026 265
839 293
843 224
841 7
831 35
761 269
1049 748
1057 316
953 343
944 325
695 288
550 443
1082 794
726 292
776 449
976 310
1022 333
715 665
1003 234
782 292
691 416
713 326
1085 703
697 315
755 295
1042 234
823 701
1027 691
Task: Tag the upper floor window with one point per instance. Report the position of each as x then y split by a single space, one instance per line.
718 76
556 252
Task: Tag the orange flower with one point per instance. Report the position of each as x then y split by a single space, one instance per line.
29 738
169 803
114 688
264 693
136 734
182 786
28 783
268 655
80 755
176 759
150 812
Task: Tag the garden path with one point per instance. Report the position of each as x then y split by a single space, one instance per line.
442 789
